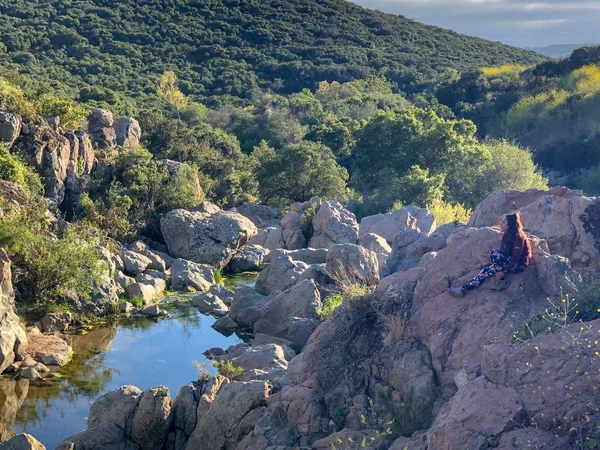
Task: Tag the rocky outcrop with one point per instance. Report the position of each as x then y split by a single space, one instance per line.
378 245
13 338
270 238
187 274
261 215
10 127
281 274
50 154
333 224
292 315
209 303
128 132
249 259
206 238
100 126
389 225
230 417
349 264
246 306
22 442
564 218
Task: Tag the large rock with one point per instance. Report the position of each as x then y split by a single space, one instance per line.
145 291
12 337
333 224
22 442
128 132
106 437
496 205
281 274
351 264
174 167
292 315
249 259
261 362
206 238
102 132
231 416
389 225
270 238
10 127
49 349
480 410
49 153
118 407
152 419
189 274
246 306
565 219
134 263
261 215
376 244
12 196
208 303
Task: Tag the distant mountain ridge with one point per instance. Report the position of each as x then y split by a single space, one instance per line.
96 48
558 50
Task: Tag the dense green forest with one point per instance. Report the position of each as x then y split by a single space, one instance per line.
109 50
280 101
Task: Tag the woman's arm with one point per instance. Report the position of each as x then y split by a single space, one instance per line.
516 254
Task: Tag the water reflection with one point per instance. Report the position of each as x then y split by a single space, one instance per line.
138 351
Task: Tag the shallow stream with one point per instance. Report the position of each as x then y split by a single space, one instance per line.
137 351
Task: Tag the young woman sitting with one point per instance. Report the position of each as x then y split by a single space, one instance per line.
513 258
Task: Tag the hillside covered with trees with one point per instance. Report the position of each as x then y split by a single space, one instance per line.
108 50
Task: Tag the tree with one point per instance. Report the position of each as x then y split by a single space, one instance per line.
168 91
298 172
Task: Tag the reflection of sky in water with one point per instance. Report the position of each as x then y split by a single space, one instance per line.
142 353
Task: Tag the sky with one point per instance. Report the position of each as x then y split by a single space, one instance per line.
523 23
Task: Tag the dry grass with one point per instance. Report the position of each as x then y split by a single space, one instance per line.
395 328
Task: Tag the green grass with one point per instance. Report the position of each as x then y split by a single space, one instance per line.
227 369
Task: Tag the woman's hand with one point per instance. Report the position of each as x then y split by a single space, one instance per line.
500 275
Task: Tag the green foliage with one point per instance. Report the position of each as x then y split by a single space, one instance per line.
203 373
589 182
507 70
339 417
140 191
14 99
413 414
137 301
219 278
12 168
588 297
72 115
227 369
447 212
52 268
220 48
330 304
306 225
298 172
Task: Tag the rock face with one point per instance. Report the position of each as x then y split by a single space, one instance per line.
128 132
351 264
152 419
262 216
270 238
389 225
100 125
249 259
206 238
10 127
246 306
49 153
565 218
22 442
12 337
188 274
233 414
292 315
281 274
376 244
333 224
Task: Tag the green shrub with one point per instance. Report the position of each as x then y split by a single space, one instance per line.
590 182
14 99
219 278
52 268
203 373
447 212
227 369
12 168
330 304
137 301
72 115
307 221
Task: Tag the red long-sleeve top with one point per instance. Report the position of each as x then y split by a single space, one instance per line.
521 253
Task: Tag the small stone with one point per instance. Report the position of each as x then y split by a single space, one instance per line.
30 373
225 325
125 307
